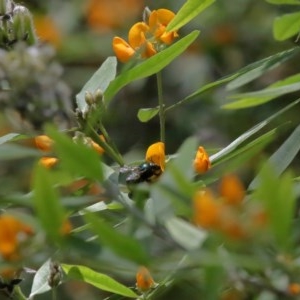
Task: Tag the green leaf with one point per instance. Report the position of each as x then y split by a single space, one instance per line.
12 152
185 234
146 114
47 203
150 66
122 245
284 2
286 26
190 10
258 68
277 195
40 281
283 157
242 76
10 137
100 80
99 280
76 158
242 138
289 85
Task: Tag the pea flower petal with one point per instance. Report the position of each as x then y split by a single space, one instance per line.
144 280
201 161
156 154
124 52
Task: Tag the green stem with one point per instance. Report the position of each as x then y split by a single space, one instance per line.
18 293
162 119
108 149
54 293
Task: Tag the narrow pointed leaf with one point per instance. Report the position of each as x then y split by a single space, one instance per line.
258 68
10 137
261 97
13 151
232 146
46 202
190 10
286 26
100 80
99 280
122 245
150 66
283 157
146 114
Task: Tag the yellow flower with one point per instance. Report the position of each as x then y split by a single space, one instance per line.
145 39
232 190
11 229
43 143
201 161
66 227
96 147
207 210
156 154
144 280
294 289
48 162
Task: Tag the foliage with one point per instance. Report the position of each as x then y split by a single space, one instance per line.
88 214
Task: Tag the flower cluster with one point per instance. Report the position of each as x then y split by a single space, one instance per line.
146 38
227 213
45 144
12 233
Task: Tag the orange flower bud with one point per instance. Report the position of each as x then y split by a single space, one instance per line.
96 147
201 161
156 154
207 210
232 190
48 162
144 280
66 227
43 143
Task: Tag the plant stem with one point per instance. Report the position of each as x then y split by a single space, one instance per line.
54 293
162 119
18 293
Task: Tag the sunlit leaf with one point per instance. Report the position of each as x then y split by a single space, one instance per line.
10 137
185 234
146 114
122 245
190 10
286 26
151 65
40 281
99 280
289 85
100 80
46 202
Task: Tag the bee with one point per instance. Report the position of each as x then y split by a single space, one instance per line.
8 287
145 172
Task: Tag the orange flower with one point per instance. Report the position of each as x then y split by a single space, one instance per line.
158 21
43 143
146 39
294 289
232 190
11 230
110 14
47 30
156 154
201 161
48 162
207 210
144 280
